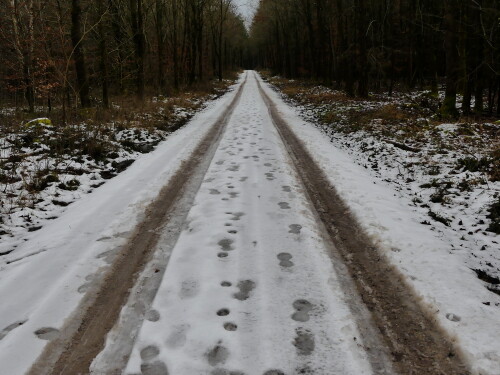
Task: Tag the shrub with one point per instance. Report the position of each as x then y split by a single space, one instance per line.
494 215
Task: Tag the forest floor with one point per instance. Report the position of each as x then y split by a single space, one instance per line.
449 173
46 166
246 243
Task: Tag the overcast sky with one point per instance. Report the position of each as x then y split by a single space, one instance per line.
247 8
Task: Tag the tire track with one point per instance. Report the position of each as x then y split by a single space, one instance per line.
84 335
417 344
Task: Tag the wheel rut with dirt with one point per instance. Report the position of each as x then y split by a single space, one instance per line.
417 344
84 335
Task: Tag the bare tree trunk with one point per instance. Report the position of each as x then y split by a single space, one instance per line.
362 59
78 53
25 58
103 51
219 42
137 18
175 44
448 108
160 35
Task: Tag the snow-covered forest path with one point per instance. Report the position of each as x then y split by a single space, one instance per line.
250 287
243 264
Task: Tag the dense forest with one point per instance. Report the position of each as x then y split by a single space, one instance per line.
363 45
82 52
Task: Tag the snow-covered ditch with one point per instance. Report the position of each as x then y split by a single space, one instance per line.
437 259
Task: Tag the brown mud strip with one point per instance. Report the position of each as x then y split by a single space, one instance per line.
84 334
417 344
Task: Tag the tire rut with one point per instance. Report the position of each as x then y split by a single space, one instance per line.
417 344
84 335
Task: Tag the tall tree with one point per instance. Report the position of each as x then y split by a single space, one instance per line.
137 23
79 54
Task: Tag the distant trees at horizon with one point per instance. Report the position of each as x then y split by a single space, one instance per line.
376 44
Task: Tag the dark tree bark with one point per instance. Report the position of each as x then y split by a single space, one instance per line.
160 36
362 57
78 53
103 51
448 108
137 20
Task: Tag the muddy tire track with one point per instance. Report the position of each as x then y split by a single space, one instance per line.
84 335
417 344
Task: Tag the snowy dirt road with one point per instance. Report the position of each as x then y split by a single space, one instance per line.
243 265
250 287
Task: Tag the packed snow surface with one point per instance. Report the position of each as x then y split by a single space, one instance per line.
250 287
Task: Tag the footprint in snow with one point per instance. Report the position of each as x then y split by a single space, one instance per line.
189 289
453 317
47 333
284 205
84 288
230 327
178 336
149 352
245 288
295 228
223 312
302 309
152 315
154 368
304 342
11 327
237 216
226 244
217 355
285 260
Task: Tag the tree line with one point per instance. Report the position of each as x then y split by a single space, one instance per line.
82 52
363 45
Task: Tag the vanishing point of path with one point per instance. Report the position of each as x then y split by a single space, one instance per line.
258 268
